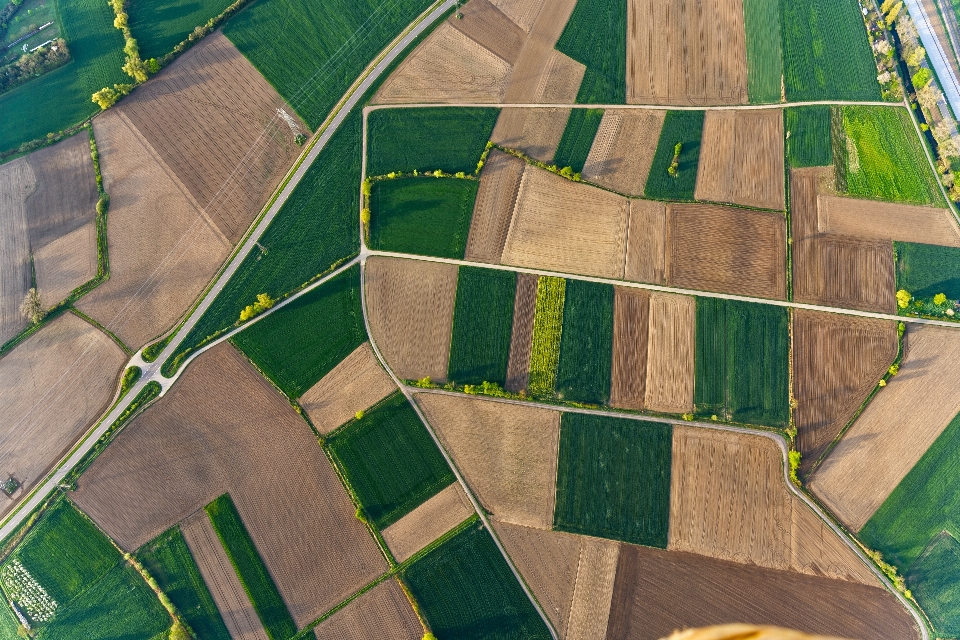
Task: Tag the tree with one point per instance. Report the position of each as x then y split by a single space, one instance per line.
939 299
32 307
903 298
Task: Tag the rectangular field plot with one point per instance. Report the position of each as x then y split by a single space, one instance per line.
761 23
596 35
493 211
628 377
429 521
583 373
16 182
613 479
521 336
158 37
577 138
670 353
547 332
482 321
926 270
885 221
808 144
683 128
383 613
623 149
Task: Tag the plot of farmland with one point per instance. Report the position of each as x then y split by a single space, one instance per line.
761 21
521 337
537 132
160 25
809 143
429 521
65 264
934 579
523 12
682 128
543 74
578 136
623 149
16 183
496 198
546 335
646 239
596 35
670 353
926 270
485 23
383 613
628 378
583 373
482 321
872 220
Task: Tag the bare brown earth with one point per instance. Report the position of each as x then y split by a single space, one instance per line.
670 349
837 360
224 428
894 431
741 158
357 383
686 52
534 131
533 68
66 263
623 149
158 264
872 220
483 22
383 613
16 183
521 338
725 249
496 197
523 12
209 113
628 378
429 521
646 237
658 591
590 609
410 311
506 452
52 387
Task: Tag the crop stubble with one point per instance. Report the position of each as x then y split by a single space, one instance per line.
16 182
646 242
521 338
496 198
383 613
670 352
486 24
66 263
874 220
428 522
623 149
523 12
629 369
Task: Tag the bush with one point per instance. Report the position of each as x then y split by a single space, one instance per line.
264 302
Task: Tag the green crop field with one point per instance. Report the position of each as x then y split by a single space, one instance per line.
596 35
334 42
577 138
298 344
926 269
547 329
390 461
451 139
466 591
482 324
613 478
764 59
826 53
253 573
934 580
586 343
686 128
422 216
169 561
61 98
160 25
885 158
809 141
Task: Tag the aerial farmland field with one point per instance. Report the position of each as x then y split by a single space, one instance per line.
158 37
482 321
596 35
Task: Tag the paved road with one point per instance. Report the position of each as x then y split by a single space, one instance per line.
936 54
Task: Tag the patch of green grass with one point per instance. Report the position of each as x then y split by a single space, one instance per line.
934 580
596 35
710 360
586 343
422 216
451 139
686 128
160 25
613 479
926 269
826 53
547 329
809 142
482 324
300 343
253 573
764 58
466 591
390 461
577 138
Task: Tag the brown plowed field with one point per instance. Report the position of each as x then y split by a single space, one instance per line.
499 183
357 383
741 158
560 80
523 12
623 149
506 452
209 113
52 387
646 236
487 25
536 64
158 264
896 428
659 591
670 349
560 225
410 311
428 522
837 360
872 220
383 613
66 263
725 249
224 428
628 377
521 338
534 131
686 52
590 609
16 182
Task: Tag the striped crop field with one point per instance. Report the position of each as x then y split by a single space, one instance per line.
547 329
808 141
761 21
578 135
596 35
586 343
482 323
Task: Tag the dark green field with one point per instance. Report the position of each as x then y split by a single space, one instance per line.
596 35
613 479
577 138
586 343
451 139
160 25
934 580
926 269
390 461
685 127
809 141
298 344
466 591
764 58
422 216
482 324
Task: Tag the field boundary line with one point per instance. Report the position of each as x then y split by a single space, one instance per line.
648 107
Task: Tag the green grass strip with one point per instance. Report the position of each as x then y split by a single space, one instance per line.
809 142
764 57
926 269
577 138
547 329
482 325
586 343
685 128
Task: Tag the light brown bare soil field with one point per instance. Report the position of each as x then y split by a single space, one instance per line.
686 52
590 609
428 522
209 113
534 131
66 263
725 249
560 225
357 383
158 264
224 428
52 387
560 80
623 149
507 453
628 377
883 448
383 613
221 578
447 67
646 236
410 311
487 25
523 12
670 348
872 220
837 360
537 66
16 183
496 197
659 591
521 338
741 158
